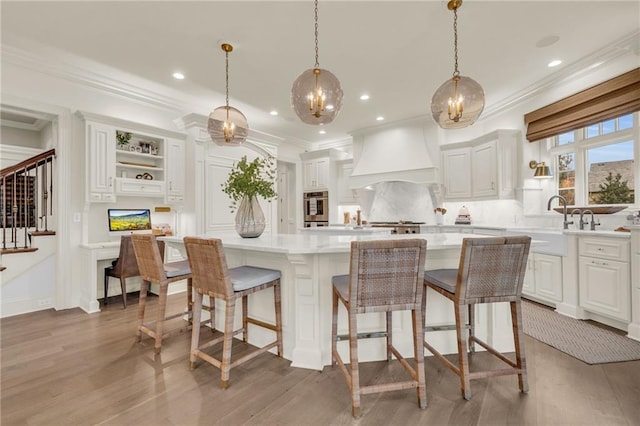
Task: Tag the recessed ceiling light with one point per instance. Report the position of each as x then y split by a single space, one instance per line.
547 41
554 63
364 97
322 132
273 112
178 76
379 118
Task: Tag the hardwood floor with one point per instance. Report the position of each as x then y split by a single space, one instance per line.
70 368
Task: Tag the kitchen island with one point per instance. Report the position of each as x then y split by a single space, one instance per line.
309 260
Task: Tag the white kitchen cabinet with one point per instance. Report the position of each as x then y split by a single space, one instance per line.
483 168
604 276
346 195
175 166
456 166
543 278
101 162
316 174
140 167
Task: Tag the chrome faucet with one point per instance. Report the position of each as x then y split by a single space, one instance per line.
574 211
564 209
593 221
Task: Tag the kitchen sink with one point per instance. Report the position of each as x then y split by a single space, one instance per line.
555 238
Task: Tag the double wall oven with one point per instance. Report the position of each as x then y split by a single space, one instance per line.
316 209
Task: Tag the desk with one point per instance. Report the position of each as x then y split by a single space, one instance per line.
91 254
307 262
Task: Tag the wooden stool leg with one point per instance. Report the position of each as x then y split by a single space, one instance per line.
278 306
190 301
472 328
463 355
195 331
245 323
418 355
212 313
355 370
123 287
144 288
389 322
162 307
225 366
334 328
106 287
518 339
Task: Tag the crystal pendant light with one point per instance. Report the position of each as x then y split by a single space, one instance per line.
227 125
460 100
316 95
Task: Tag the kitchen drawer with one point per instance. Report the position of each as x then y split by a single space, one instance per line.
604 248
141 187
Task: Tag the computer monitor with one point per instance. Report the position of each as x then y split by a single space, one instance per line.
129 221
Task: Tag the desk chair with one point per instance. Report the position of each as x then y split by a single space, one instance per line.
491 270
125 266
384 276
213 278
154 270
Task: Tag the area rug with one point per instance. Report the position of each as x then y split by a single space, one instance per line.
580 339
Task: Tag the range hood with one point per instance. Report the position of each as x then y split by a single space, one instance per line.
394 154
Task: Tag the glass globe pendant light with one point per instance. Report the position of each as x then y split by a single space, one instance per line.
316 95
227 125
460 100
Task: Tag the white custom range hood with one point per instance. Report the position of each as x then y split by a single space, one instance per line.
394 154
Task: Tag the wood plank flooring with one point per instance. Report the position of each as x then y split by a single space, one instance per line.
71 368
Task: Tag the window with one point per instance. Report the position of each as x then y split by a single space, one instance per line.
597 164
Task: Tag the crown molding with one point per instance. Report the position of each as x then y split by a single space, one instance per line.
626 45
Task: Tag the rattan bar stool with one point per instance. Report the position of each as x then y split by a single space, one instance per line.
491 270
126 266
154 270
213 278
384 276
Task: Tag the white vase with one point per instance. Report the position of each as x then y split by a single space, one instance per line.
250 221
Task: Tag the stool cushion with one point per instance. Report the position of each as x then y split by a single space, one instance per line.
174 269
444 278
244 277
341 284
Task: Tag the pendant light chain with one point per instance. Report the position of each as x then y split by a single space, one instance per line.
316 31
227 73
456 73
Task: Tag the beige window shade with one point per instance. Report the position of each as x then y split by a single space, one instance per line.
612 98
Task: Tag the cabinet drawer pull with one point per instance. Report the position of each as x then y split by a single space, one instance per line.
600 249
599 263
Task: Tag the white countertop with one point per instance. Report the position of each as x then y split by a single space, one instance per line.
315 243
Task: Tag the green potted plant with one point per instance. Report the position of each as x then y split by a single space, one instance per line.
123 139
246 181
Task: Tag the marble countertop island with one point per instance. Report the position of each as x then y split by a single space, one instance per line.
307 262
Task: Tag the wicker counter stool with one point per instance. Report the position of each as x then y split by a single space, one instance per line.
491 270
213 278
384 276
126 266
154 270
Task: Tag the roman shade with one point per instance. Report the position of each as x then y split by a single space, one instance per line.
612 98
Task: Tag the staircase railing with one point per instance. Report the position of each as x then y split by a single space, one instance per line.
26 198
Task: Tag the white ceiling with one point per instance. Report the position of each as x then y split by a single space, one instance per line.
398 52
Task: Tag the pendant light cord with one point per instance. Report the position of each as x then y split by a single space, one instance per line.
227 81
456 73
316 32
